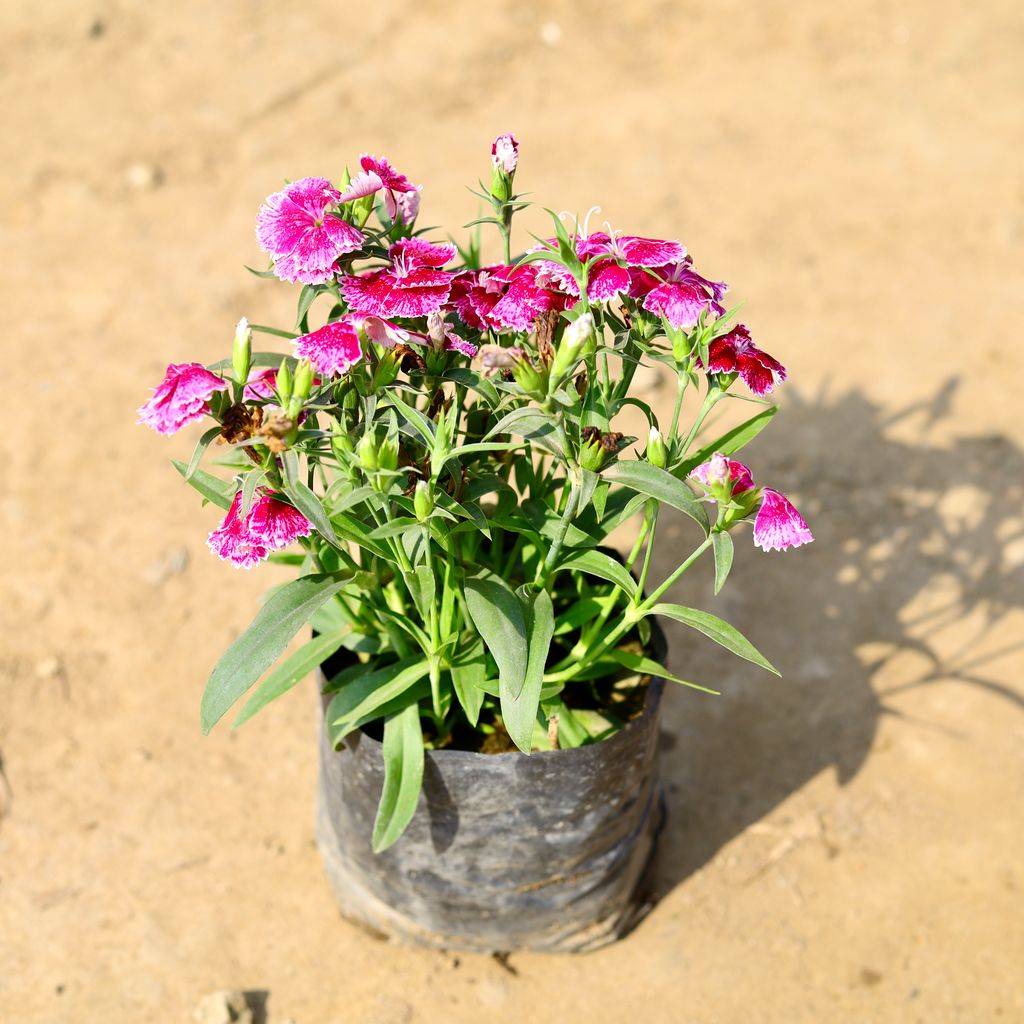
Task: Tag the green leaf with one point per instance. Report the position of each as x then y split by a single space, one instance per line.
252 480
717 629
730 442
201 446
212 488
519 710
648 667
306 298
597 563
280 618
656 483
469 671
309 505
292 670
403 776
498 616
423 426
359 699
722 544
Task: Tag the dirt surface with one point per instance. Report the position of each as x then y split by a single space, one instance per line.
844 842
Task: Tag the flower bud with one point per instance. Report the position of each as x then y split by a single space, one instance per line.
283 383
657 453
533 381
241 352
387 454
504 157
592 455
573 345
422 502
302 384
367 452
341 443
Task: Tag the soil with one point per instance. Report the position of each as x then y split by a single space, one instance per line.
843 843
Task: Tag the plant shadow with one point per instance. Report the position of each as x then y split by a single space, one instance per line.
919 556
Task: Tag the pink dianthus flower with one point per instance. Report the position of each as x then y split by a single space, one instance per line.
736 353
247 540
181 397
333 349
303 237
778 524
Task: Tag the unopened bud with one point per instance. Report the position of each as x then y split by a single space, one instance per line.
505 153
387 455
422 502
592 455
533 381
367 452
657 453
241 352
283 383
573 345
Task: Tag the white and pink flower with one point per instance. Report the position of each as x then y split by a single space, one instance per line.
378 175
333 349
678 293
505 153
777 525
270 524
412 286
303 236
181 397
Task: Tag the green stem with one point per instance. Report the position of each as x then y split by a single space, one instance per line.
563 528
652 514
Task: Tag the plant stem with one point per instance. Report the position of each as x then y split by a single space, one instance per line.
563 528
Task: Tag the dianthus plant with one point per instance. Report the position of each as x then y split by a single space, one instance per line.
439 451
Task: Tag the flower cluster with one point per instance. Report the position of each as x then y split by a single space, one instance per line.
443 442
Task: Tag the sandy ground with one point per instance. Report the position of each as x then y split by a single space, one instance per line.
844 842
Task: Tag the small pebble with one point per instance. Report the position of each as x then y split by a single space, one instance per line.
143 176
48 668
229 1007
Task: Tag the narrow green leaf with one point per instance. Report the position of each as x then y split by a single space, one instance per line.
201 445
519 710
370 691
292 670
252 480
309 505
469 671
213 489
414 417
597 563
403 776
280 618
717 629
498 616
648 667
656 483
722 544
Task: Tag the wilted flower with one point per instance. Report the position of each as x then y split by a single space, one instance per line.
180 397
303 238
736 353
333 349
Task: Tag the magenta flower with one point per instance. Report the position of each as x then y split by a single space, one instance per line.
736 353
247 540
528 294
333 349
608 276
275 523
505 153
475 293
233 541
181 397
378 174
679 293
261 383
412 286
303 238
778 524
718 469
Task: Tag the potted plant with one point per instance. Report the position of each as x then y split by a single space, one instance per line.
438 454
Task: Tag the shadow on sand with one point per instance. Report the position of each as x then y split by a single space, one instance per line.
913 537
